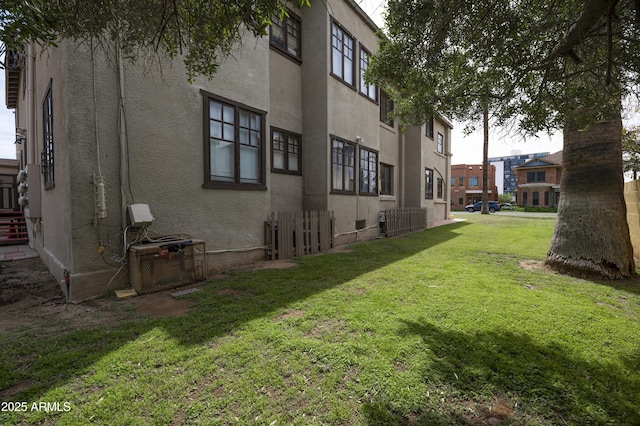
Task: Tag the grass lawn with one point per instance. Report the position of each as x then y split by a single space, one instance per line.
459 324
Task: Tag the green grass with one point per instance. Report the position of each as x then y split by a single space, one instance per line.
454 325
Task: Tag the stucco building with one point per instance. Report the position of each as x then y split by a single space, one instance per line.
287 124
466 185
539 181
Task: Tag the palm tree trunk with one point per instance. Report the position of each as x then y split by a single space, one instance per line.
485 161
591 237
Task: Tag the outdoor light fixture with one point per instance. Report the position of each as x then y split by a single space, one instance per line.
21 135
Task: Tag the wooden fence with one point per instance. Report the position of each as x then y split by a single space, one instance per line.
402 221
292 234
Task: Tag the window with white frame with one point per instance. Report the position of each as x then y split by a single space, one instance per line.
342 54
234 147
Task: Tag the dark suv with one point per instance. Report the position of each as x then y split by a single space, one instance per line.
494 206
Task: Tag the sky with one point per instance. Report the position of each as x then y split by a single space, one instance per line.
7 125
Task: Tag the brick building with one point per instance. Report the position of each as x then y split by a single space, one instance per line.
539 181
466 185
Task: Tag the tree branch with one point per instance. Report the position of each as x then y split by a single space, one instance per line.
593 11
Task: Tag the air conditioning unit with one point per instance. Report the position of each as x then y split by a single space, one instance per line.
158 266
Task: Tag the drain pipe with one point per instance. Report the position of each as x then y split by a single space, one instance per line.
125 193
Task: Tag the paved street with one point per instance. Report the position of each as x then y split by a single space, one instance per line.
462 214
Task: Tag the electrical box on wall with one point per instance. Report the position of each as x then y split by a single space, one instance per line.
140 215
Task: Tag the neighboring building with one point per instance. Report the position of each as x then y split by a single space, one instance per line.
8 186
466 185
287 124
539 181
510 181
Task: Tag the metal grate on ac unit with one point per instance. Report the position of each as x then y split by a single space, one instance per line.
154 267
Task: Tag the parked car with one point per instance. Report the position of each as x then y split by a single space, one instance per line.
507 206
494 206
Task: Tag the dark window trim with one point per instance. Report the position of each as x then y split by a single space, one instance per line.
286 157
283 50
429 128
428 191
353 60
208 183
391 179
538 176
361 77
385 111
440 148
359 159
355 166
48 159
439 188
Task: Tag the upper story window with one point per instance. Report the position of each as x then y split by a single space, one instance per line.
343 172
461 181
428 127
368 90
284 35
47 133
368 172
285 151
234 147
536 176
440 143
342 46
473 181
386 108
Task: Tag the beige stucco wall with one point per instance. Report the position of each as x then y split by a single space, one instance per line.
285 112
420 152
49 233
164 147
315 106
164 122
632 199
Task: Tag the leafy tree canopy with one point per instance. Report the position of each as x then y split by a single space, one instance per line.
539 62
204 31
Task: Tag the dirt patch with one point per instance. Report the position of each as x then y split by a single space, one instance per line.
27 279
162 305
292 314
536 266
238 294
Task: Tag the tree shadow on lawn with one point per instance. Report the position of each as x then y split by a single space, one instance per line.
56 358
545 380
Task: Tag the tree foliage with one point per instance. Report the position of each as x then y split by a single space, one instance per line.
202 31
539 62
